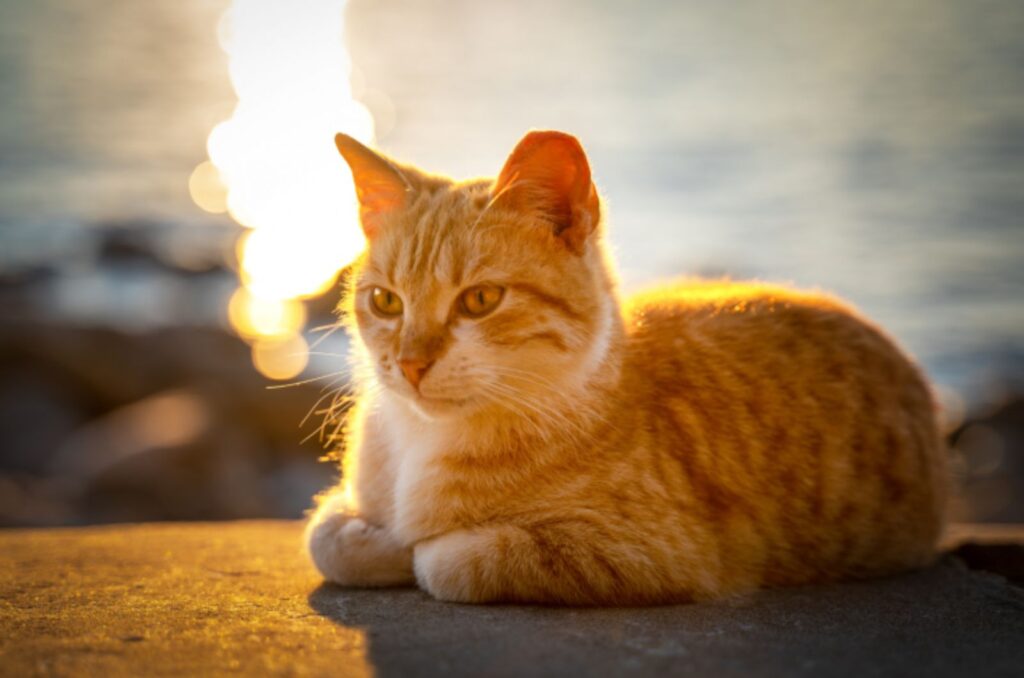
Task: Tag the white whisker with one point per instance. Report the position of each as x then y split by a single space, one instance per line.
303 382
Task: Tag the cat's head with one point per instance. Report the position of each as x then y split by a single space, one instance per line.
482 294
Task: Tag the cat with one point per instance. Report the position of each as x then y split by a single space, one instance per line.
521 434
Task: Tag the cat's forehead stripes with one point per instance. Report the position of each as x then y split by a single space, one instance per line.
434 240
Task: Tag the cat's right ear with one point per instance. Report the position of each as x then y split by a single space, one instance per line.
549 176
380 186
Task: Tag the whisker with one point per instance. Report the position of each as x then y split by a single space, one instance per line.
274 387
511 395
575 423
331 329
313 410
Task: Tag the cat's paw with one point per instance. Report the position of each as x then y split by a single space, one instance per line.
349 551
448 567
325 542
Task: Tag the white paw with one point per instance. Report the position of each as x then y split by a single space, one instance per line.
327 539
443 569
351 552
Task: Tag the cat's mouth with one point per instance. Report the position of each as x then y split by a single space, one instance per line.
436 400
439 406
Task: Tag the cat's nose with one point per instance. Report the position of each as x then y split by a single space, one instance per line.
414 369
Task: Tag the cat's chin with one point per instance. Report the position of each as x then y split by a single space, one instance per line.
439 408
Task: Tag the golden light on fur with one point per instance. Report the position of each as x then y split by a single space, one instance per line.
274 174
522 433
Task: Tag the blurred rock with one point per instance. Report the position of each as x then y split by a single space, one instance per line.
159 245
1006 559
124 397
33 501
38 409
988 463
164 420
179 455
102 425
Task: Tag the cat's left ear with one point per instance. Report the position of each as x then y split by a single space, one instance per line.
548 175
380 186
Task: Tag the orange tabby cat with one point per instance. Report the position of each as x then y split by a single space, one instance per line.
522 434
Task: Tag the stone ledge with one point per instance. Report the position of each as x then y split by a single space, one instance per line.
215 598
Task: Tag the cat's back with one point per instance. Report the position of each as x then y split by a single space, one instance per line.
794 416
751 329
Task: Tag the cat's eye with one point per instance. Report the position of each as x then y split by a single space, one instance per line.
385 302
480 300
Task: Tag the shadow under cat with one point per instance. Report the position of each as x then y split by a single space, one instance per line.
943 621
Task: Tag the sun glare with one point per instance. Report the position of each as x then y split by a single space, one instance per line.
256 317
274 169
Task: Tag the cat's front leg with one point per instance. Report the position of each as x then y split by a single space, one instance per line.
506 563
351 552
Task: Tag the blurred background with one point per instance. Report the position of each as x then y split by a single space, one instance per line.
174 218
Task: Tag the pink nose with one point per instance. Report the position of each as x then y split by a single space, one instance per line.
414 369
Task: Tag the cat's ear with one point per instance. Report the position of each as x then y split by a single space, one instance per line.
548 175
380 186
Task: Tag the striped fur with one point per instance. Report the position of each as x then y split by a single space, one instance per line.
701 439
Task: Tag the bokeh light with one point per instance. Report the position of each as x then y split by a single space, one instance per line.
283 177
280 359
207 189
256 317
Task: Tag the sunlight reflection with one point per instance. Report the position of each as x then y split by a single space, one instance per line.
207 189
284 179
255 317
281 359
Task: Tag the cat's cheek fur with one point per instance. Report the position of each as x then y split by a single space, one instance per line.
599 345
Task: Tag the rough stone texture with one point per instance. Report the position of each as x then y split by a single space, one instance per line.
201 599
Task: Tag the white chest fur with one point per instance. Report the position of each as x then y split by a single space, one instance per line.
415 445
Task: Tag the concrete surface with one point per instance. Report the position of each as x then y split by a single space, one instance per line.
212 599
